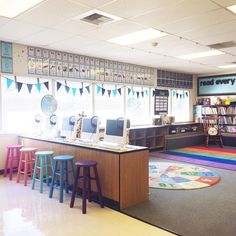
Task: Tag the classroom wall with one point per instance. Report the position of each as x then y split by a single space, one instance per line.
6 139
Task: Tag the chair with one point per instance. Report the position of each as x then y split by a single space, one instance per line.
212 130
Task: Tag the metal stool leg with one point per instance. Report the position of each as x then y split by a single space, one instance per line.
53 179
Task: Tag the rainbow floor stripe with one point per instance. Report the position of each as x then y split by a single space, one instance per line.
215 157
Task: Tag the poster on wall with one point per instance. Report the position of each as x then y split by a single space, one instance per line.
45 53
31 65
65 69
71 70
31 51
38 52
59 68
52 68
217 85
7 65
39 66
161 102
76 71
45 66
6 49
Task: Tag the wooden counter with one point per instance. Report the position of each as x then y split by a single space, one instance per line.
123 173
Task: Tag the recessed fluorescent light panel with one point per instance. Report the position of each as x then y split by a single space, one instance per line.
201 54
227 66
137 37
232 8
97 17
12 8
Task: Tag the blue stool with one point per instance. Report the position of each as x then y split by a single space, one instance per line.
63 173
43 162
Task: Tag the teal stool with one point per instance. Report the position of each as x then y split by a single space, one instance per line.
62 171
43 162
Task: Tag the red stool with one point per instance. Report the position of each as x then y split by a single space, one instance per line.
13 154
26 165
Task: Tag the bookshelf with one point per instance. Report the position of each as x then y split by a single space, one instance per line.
226 114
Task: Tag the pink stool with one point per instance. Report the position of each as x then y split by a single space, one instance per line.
26 165
13 154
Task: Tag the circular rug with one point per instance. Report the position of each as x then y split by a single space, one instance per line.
166 175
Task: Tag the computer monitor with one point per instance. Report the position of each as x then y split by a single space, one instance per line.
90 128
115 131
67 128
50 125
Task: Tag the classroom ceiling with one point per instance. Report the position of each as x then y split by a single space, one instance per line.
191 25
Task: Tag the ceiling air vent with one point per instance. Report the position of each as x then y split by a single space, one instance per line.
97 17
222 45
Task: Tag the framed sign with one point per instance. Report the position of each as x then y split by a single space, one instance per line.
6 49
217 85
161 102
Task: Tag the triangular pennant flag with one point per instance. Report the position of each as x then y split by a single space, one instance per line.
174 93
146 91
88 88
186 94
153 93
58 85
137 94
29 86
46 84
129 90
98 89
114 91
133 92
142 93
38 86
81 90
19 86
109 92
177 95
67 88
9 83
180 96
73 91
119 90
103 91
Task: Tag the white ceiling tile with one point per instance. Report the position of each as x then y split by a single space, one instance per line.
92 3
46 37
14 30
115 29
3 20
186 8
211 30
52 12
225 3
132 8
75 27
217 38
198 22
216 60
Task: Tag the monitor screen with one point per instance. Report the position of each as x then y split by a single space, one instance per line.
89 125
115 127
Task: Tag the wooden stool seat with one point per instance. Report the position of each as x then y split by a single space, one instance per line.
86 182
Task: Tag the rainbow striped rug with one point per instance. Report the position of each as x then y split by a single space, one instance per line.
215 157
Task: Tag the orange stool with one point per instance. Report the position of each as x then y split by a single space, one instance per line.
26 164
13 155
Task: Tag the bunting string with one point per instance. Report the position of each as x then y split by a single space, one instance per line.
19 85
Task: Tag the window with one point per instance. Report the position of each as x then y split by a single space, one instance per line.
137 105
110 104
20 108
77 99
180 105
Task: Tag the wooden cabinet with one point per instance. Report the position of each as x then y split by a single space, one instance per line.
154 137
148 136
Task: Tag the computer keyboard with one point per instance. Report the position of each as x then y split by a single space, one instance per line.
107 145
84 141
